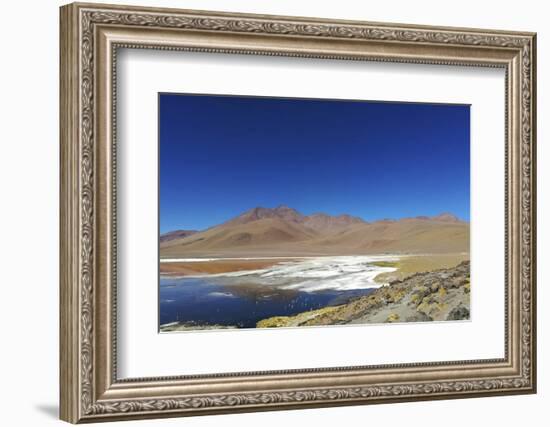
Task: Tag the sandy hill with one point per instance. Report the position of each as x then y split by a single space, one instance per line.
283 231
176 234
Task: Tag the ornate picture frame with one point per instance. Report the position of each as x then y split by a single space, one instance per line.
90 37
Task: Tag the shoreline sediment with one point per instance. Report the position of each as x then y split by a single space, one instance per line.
438 295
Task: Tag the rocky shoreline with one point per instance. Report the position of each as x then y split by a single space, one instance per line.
437 295
191 326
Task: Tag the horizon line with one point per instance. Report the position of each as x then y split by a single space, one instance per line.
282 205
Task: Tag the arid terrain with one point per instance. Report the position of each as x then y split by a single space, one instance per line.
285 232
216 266
423 297
274 267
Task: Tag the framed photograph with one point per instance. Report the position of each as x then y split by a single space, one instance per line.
266 212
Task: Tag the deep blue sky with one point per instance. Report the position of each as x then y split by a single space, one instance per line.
222 155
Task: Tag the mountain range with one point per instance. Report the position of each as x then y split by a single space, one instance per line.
176 234
283 231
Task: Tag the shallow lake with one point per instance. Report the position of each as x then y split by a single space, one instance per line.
241 299
204 302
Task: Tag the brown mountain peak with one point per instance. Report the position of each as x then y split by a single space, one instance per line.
283 230
176 234
282 212
446 217
322 221
318 215
350 218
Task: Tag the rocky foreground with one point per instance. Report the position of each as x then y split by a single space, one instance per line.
430 296
191 326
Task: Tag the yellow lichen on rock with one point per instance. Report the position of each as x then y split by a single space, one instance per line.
296 320
394 317
430 296
467 286
273 322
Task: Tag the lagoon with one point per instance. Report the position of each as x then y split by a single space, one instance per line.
241 299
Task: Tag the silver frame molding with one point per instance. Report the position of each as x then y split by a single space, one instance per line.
90 37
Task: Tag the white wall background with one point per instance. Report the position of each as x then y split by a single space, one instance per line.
29 170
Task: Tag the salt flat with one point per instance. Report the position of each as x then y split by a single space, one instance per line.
313 274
